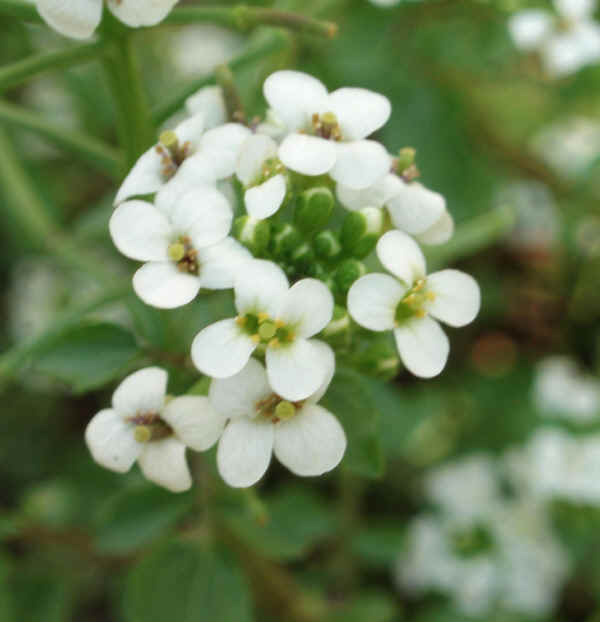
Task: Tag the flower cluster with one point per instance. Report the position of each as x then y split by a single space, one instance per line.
566 40
296 280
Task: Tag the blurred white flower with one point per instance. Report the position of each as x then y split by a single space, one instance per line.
412 207
561 390
326 132
305 437
183 242
78 19
210 103
565 42
142 425
278 318
262 175
408 303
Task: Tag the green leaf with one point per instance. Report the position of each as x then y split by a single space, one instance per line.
180 581
135 517
379 544
374 606
350 399
297 520
7 612
88 356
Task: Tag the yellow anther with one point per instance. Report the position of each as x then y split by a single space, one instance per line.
279 323
142 433
168 138
255 338
176 251
329 118
430 295
262 316
419 285
410 299
420 313
241 320
285 410
274 343
267 330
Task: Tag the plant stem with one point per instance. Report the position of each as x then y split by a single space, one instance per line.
274 42
233 101
20 9
245 18
473 236
21 71
92 150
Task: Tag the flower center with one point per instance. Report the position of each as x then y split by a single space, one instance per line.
414 302
184 255
275 409
149 427
270 168
263 329
472 541
326 126
172 153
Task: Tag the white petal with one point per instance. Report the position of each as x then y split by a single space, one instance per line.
72 19
360 112
162 285
220 263
209 102
373 196
111 442
440 232
221 349
373 299
245 451
457 297
328 357
163 462
195 422
223 144
307 306
238 395
311 443
140 231
401 255
142 392
294 96
264 200
423 346
529 28
296 371
575 10
360 164
190 130
141 12
309 155
414 208
564 54
204 215
260 287
254 152
145 177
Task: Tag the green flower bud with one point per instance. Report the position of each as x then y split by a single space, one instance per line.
303 256
285 240
380 359
361 230
406 158
254 234
314 209
327 244
339 325
347 272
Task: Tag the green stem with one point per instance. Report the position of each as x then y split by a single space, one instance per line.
233 101
23 70
92 150
20 9
13 360
245 18
274 42
134 124
473 236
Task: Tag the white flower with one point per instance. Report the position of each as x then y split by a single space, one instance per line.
279 318
143 426
412 207
304 436
79 18
327 132
409 303
262 175
210 103
185 246
567 42
186 156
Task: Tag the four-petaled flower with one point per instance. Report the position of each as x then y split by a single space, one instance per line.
305 437
143 425
326 132
409 303
184 243
79 18
277 318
